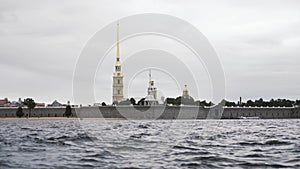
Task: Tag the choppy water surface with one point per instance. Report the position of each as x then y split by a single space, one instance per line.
150 144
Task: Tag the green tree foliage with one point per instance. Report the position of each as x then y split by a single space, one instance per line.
68 111
132 101
262 103
173 101
179 100
203 103
141 101
187 101
29 102
230 104
20 112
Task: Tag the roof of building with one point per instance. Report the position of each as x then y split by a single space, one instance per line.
55 102
3 101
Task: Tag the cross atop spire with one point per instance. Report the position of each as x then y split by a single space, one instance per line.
150 78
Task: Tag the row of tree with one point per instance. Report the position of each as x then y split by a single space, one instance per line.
187 101
262 103
190 101
173 101
30 103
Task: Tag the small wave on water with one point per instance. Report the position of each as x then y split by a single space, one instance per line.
150 144
140 135
277 142
266 143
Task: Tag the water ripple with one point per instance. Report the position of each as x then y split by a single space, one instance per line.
150 144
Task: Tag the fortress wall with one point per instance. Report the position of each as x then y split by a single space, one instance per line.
48 112
295 112
142 112
262 112
36 112
187 112
160 112
191 112
139 112
88 112
10 112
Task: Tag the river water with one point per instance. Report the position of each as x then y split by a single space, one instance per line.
150 144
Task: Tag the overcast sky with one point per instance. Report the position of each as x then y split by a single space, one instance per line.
257 41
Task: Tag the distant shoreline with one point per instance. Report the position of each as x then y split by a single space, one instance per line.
154 112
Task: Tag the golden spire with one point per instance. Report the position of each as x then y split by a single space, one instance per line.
118 47
118 63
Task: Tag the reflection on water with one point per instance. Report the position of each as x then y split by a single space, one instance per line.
144 144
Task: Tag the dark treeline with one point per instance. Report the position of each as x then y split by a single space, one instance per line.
173 101
262 103
187 101
190 101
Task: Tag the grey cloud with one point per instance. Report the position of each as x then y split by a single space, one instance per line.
256 42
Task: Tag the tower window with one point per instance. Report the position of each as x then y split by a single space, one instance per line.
118 68
118 91
118 81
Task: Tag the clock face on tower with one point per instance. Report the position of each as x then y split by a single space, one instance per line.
118 68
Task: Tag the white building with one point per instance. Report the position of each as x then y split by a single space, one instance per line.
151 98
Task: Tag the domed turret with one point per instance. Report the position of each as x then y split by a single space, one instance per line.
186 99
185 92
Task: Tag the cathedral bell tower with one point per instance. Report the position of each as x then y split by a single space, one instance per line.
117 76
